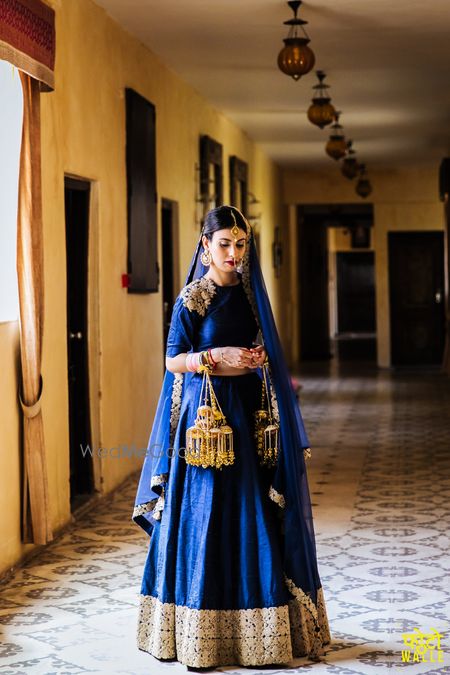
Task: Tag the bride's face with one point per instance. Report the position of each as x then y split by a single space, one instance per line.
226 250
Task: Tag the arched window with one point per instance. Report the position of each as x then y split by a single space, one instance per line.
11 111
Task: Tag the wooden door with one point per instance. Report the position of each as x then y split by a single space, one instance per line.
416 290
77 194
312 259
356 292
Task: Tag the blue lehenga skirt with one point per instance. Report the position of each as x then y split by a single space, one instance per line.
214 590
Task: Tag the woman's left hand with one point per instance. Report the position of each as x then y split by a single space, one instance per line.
258 356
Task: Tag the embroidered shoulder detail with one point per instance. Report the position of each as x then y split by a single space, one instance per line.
198 294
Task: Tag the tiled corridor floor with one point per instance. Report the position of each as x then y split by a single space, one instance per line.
380 484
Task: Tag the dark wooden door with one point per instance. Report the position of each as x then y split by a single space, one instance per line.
312 259
77 194
356 292
416 289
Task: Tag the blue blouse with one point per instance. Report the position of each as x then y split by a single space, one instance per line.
228 322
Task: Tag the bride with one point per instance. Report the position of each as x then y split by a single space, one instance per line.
231 573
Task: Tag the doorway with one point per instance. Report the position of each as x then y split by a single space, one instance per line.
313 282
317 309
416 294
356 316
77 203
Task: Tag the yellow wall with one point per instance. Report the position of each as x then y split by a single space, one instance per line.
404 198
83 124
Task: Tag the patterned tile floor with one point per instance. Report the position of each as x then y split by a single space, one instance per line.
380 484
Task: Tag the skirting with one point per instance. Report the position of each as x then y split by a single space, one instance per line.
250 637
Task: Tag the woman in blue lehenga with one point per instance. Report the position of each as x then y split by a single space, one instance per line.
231 573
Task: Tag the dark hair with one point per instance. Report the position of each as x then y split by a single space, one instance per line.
221 218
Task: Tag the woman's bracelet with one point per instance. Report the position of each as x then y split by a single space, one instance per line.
196 359
192 362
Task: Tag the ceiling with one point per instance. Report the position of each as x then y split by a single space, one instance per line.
387 63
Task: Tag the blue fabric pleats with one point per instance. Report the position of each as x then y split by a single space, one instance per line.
218 543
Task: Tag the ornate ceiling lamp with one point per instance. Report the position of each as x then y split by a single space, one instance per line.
337 145
296 58
363 186
350 166
321 112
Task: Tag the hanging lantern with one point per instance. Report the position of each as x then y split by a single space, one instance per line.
337 145
321 112
296 58
363 186
350 167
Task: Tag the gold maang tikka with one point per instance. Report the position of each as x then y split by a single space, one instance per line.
234 229
209 442
266 429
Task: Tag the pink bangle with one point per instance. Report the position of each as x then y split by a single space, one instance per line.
192 361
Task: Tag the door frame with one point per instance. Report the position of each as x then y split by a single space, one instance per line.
93 330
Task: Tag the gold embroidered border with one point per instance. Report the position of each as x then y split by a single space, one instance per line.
252 637
144 508
251 298
159 479
156 505
208 637
177 390
309 623
246 275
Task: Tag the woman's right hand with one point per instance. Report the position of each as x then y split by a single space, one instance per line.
237 357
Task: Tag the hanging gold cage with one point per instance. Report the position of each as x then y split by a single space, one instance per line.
209 442
266 429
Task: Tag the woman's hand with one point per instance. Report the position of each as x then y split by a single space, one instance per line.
240 357
259 356
236 357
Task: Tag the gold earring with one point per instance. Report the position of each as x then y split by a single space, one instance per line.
206 258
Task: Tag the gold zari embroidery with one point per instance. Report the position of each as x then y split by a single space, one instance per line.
210 637
144 508
198 294
277 497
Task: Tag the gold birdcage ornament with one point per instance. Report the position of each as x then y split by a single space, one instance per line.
266 429
209 442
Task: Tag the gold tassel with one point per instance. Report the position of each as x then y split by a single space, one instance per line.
266 430
209 443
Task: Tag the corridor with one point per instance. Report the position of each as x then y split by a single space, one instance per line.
380 485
